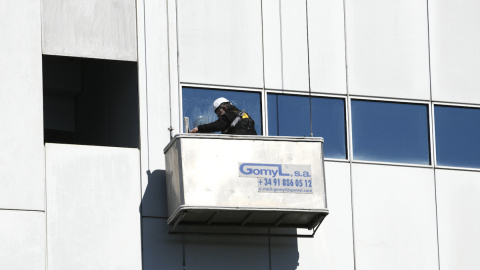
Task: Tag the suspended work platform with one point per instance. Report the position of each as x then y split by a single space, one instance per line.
245 182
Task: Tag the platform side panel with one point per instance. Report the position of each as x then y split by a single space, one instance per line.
211 173
173 182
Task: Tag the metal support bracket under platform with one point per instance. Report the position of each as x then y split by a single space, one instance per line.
206 221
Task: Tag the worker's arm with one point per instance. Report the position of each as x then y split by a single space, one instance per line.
220 125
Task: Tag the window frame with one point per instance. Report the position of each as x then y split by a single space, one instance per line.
221 88
394 100
449 104
318 95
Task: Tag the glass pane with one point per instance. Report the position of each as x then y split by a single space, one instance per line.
272 104
457 131
390 132
197 105
293 115
289 115
329 123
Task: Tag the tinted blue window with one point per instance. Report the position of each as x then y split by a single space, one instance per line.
457 133
390 132
329 122
197 105
290 116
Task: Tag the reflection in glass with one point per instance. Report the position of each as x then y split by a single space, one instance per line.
390 132
197 105
289 115
457 131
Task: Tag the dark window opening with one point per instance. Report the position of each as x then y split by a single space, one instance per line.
90 101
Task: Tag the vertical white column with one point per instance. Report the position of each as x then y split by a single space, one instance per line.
22 165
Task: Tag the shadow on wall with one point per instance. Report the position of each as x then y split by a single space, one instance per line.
154 201
283 251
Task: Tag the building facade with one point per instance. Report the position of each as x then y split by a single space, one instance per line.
92 91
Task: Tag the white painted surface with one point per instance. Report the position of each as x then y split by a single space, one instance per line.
454 43
175 97
93 202
294 44
285 44
158 107
326 46
160 249
142 96
272 44
387 48
457 201
226 252
22 238
22 165
332 247
394 217
90 28
220 42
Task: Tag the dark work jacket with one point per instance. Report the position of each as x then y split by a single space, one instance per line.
246 125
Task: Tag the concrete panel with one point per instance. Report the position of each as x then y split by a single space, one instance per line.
272 44
285 44
387 48
160 249
177 121
220 42
22 165
394 217
90 28
158 88
142 94
22 238
226 252
327 46
454 43
294 45
458 234
93 200
332 247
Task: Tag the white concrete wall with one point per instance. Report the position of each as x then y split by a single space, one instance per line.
394 217
226 252
458 235
332 247
382 217
160 250
22 166
327 46
454 43
387 48
22 240
220 42
158 82
90 28
290 63
93 207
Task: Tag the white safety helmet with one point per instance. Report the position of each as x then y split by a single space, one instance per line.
219 101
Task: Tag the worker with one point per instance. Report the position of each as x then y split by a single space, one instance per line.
230 120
